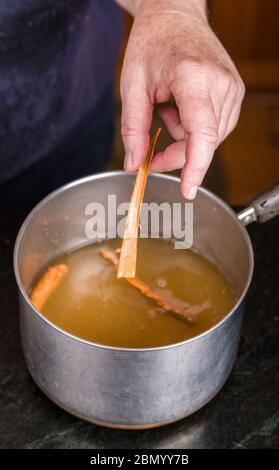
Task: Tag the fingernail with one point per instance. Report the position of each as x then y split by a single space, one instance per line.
191 192
128 161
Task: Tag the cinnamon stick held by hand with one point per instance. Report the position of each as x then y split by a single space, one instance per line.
128 257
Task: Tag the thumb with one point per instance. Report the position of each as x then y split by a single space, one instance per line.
136 119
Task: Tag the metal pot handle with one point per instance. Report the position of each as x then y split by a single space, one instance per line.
262 208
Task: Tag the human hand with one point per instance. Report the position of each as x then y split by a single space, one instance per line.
173 53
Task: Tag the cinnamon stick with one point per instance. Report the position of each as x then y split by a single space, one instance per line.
47 284
128 257
146 290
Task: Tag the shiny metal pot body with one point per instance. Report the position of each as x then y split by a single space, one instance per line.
117 387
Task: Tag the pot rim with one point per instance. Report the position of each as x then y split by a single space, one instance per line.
108 174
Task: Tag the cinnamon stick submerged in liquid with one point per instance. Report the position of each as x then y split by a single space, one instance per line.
47 284
146 290
128 257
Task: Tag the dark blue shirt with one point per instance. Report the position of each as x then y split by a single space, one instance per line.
56 59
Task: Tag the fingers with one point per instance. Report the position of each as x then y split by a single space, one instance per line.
233 115
230 112
204 125
170 115
200 125
171 159
232 121
136 118
207 112
199 153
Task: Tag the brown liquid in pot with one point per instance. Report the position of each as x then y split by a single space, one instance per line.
93 304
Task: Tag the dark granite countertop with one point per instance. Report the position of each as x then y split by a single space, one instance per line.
245 414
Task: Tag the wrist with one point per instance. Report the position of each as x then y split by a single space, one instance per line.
194 8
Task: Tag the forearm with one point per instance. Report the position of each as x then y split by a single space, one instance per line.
196 7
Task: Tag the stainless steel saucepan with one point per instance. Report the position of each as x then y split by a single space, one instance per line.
133 388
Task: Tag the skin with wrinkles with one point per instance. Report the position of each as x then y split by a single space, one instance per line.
174 59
